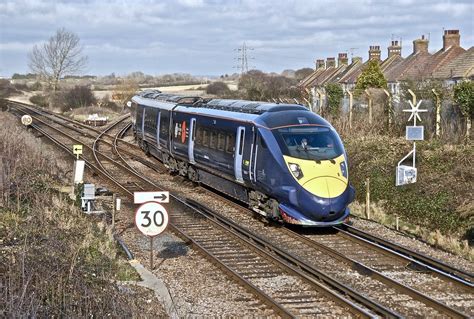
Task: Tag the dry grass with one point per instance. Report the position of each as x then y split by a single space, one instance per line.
453 244
54 260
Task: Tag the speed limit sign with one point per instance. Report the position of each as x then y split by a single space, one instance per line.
151 219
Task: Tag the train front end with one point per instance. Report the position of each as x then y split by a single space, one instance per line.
315 157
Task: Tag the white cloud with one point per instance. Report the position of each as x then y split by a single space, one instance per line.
202 34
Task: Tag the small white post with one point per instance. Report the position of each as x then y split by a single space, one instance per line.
367 198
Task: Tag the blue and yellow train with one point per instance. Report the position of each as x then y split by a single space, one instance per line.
286 162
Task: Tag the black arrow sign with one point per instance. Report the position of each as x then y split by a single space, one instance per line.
77 149
162 197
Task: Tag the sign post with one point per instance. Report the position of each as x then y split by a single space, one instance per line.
151 219
406 174
77 150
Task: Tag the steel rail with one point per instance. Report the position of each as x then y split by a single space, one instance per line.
367 271
256 291
115 147
353 294
463 277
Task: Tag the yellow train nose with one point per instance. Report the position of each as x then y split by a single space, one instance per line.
325 186
324 179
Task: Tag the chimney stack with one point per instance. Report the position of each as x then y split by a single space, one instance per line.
451 38
374 52
320 64
420 45
330 63
342 59
395 49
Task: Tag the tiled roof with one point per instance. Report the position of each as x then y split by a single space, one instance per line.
390 62
440 58
354 75
411 67
323 76
461 66
310 78
354 67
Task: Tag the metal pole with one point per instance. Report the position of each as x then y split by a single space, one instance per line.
151 253
389 108
438 113
114 210
414 153
413 96
320 94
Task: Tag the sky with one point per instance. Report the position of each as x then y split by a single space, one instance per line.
201 37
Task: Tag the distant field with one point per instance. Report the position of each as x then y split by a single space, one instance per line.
193 89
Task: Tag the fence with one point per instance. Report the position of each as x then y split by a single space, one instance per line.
376 111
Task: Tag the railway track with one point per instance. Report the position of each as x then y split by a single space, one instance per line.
404 293
373 262
310 297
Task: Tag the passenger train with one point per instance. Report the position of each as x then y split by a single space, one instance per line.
284 161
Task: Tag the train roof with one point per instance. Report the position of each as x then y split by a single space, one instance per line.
239 106
264 113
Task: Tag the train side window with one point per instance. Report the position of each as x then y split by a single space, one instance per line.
199 135
205 137
229 143
164 123
213 140
220 141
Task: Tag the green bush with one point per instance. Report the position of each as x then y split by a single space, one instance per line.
335 94
434 201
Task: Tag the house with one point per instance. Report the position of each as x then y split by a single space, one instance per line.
451 63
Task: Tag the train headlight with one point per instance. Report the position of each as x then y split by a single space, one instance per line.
296 170
344 169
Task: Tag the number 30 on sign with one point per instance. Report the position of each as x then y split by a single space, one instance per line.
151 219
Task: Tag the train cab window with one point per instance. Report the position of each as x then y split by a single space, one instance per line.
199 135
213 140
229 143
220 141
205 137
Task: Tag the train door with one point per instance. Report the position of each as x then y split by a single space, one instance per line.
239 152
158 123
253 157
192 137
164 128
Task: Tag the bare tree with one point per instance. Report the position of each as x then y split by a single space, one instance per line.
60 56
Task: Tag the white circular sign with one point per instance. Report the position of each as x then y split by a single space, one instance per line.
151 218
26 120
